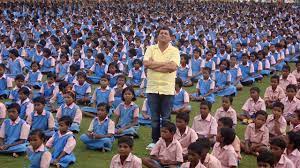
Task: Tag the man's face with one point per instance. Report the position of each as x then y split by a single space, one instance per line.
164 36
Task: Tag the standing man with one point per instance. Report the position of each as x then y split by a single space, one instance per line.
162 61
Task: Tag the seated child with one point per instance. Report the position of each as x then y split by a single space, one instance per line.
222 78
58 99
204 88
184 134
72 110
63 144
102 94
34 76
278 146
290 102
247 71
82 89
15 63
98 69
252 105
226 122
257 65
273 93
266 64
208 62
125 158
296 72
276 122
136 74
181 99
205 124
145 117
6 83
37 153
71 76
207 159
256 135
293 146
40 118
265 159
117 90
49 89
183 71
226 110
287 78
195 151
167 151
295 121
25 103
13 132
223 149
126 114
48 62
141 92
2 112
19 83
236 73
113 72
101 130
195 65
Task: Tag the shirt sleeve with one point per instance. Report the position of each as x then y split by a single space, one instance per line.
50 121
245 106
111 127
213 127
2 111
89 90
143 76
21 63
57 68
91 127
9 82
212 85
136 112
265 138
232 159
2 130
267 64
78 116
24 131
156 148
130 74
45 160
247 133
179 157
29 109
228 79
260 66
176 57
52 62
92 68
29 119
94 96
186 97
117 111
239 72
111 97
70 145
49 143
251 68
58 113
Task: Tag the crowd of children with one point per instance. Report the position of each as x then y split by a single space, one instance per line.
61 61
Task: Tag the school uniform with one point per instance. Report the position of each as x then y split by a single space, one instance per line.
136 76
204 87
195 68
3 111
225 154
131 161
126 115
260 136
61 143
187 165
180 98
247 70
142 88
257 67
72 111
283 83
277 56
14 94
71 79
183 73
274 95
270 123
57 99
107 126
294 156
47 64
15 67
13 131
88 63
221 80
171 152
44 121
62 70
5 83
231 113
205 127
82 90
211 161
145 108
235 73
79 63
48 90
26 108
266 66
290 106
34 79
297 75
117 94
113 79
40 157
189 136
251 107
210 64
284 162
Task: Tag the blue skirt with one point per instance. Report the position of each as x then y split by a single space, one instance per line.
227 91
130 131
16 149
94 79
66 160
103 143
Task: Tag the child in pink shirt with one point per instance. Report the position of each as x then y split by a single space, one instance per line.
2 112
226 110
275 121
273 93
205 124
277 146
252 105
296 72
125 158
265 159
184 134
295 121
256 134
287 78
208 160
223 150
290 102
195 150
293 146
167 151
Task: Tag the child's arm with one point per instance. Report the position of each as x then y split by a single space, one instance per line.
69 147
133 123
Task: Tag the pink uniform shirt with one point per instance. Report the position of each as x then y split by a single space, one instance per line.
131 161
225 154
205 127
186 138
260 136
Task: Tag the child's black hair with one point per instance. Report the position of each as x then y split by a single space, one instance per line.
275 77
47 51
286 67
206 103
255 89
14 106
126 140
65 56
132 52
121 77
205 142
24 90
66 119
74 67
137 61
115 65
62 85
2 66
279 104
72 94
228 135
178 82
35 63
107 77
294 138
277 141
51 75
129 88
183 116
102 104
291 86
196 147
226 121
169 126
81 74
227 62
266 156
19 77
207 69
39 133
228 97
261 112
39 99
